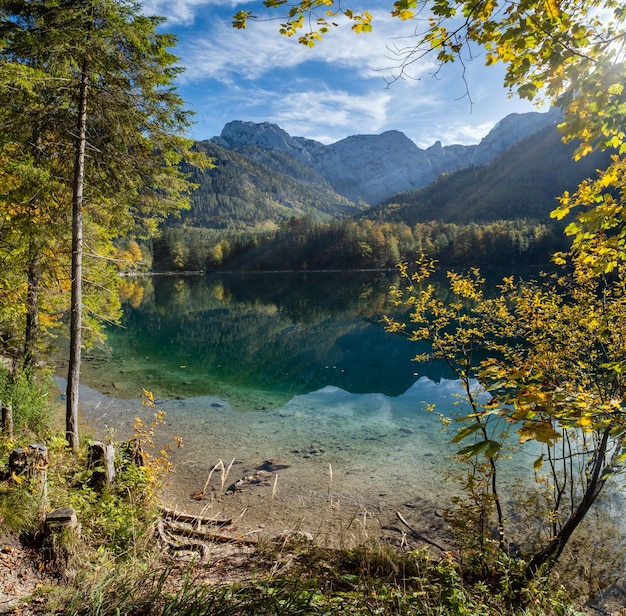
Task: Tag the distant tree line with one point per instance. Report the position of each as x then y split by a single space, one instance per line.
303 243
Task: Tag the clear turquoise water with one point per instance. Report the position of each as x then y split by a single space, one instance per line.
258 339
288 367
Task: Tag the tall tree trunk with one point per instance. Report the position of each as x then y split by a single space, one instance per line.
33 276
73 377
31 335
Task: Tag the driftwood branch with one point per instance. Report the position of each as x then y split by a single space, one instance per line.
183 531
417 535
186 531
197 520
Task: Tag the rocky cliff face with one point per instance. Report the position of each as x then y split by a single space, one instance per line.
367 167
372 168
265 136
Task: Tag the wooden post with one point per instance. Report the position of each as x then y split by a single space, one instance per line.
61 519
38 468
7 420
102 455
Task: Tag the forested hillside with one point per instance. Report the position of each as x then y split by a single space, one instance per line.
522 183
242 193
496 214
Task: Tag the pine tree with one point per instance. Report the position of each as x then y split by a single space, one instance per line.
116 130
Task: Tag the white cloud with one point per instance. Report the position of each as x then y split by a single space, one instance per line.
333 90
461 132
325 115
220 51
183 12
307 104
228 55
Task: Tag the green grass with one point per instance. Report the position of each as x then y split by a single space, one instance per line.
373 580
31 399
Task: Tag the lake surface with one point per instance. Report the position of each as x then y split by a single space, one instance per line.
258 339
286 367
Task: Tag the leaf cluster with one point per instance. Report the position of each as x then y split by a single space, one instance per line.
546 361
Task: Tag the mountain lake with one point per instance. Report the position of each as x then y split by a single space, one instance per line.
297 410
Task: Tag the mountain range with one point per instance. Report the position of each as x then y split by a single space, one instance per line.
371 168
264 177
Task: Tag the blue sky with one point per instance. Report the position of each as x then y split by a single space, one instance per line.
327 93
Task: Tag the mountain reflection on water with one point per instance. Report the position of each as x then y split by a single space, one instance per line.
257 339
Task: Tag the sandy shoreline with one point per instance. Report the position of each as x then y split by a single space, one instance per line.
323 487
277 497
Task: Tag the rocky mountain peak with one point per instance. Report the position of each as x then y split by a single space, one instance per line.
363 167
509 131
267 136
372 168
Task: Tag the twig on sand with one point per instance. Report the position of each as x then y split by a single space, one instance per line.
419 535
